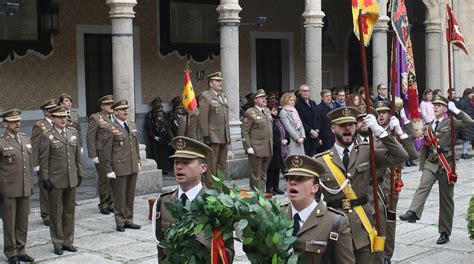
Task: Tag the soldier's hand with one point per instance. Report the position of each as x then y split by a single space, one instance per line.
36 169
79 181
157 138
111 175
395 125
96 160
371 123
452 107
207 141
250 151
47 185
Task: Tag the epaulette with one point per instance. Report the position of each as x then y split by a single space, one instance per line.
23 134
166 193
335 211
322 154
361 144
71 128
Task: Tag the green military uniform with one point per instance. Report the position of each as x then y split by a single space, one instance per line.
214 125
257 133
39 128
120 155
432 169
358 175
97 131
16 186
325 236
61 167
73 119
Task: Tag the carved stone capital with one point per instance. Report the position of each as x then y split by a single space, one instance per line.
121 8
382 24
229 11
313 18
433 26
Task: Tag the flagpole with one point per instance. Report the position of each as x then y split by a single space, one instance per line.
394 170
367 105
450 85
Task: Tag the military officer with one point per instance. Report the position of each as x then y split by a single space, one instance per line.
41 127
324 234
257 138
16 184
188 125
438 131
72 116
176 114
122 164
61 172
161 136
96 132
214 123
346 178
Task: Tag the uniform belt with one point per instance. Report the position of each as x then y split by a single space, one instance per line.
347 203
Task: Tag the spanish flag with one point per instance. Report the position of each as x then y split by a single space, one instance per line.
371 9
189 98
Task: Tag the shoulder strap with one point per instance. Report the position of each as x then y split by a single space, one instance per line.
333 237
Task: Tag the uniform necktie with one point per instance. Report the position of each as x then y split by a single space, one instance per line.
63 134
366 140
345 158
436 125
69 114
296 224
184 198
17 138
126 127
264 115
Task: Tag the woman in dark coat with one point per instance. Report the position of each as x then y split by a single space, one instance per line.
467 105
280 142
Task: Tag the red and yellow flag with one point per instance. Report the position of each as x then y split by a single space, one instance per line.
189 98
371 9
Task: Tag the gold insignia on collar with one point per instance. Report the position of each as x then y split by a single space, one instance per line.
346 112
180 144
297 162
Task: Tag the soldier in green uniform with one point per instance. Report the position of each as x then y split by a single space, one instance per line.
432 168
190 165
61 172
16 184
257 138
324 234
72 116
347 177
96 132
39 128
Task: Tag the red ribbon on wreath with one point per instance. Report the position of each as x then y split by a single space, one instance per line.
218 247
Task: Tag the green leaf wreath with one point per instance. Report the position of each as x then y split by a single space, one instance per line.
470 218
259 223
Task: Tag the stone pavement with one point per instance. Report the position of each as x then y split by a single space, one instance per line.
98 242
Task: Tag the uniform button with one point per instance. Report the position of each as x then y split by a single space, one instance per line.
319 251
350 211
348 174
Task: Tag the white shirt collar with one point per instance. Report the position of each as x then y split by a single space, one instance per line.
120 121
49 120
259 108
191 193
11 135
433 125
340 150
305 213
59 130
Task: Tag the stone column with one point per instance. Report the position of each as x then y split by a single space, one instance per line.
313 25
433 54
229 21
122 14
379 48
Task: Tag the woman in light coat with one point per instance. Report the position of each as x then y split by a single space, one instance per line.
292 123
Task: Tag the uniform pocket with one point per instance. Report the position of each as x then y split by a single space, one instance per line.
316 247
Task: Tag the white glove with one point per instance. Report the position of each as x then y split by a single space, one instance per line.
452 107
111 175
402 113
82 150
37 168
250 151
395 125
95 160
139 166
157 138
371 122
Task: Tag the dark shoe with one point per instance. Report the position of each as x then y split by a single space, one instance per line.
270 190
111 210
387 261
120 229
26 258
70 248
409 216
407 163
46 222
443 239
58 251
413 163
104 211
133 226
278 191
13 260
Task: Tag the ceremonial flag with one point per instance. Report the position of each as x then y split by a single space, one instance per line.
399 22
371 9
189 98
453 33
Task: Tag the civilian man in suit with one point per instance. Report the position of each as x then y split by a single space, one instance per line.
326 106
382 94
61 172
16 184
214 123
41 127
310 116
122 164
96 132
257 138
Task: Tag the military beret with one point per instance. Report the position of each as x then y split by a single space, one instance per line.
301 165
441 100
189 148
343 115
382 106
106 99
121 104
48 104
259 93
12 115
215 76
361 109
58 111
